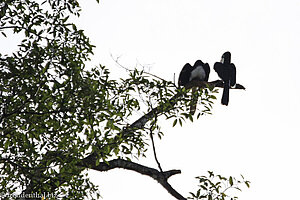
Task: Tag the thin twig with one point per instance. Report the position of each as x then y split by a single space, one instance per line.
127 69
154 150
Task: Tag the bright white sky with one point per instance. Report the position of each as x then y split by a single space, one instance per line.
257 135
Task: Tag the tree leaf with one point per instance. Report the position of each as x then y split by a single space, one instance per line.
174 122
230 181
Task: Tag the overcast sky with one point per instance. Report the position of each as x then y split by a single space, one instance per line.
257 135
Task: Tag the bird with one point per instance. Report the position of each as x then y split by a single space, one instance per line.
199 71
227 72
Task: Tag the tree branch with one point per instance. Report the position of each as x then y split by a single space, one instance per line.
160 177
140 123
153 145
131 70
216 83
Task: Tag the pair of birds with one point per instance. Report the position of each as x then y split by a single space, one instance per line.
200 71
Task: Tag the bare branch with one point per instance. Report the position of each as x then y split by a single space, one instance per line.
160 177
127 69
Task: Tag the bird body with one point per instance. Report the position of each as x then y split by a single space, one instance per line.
199 71
227 72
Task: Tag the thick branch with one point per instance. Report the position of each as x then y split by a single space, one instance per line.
160 177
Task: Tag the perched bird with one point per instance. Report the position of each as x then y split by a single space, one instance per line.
200 71
227 72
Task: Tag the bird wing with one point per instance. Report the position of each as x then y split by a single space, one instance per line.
207 71
185 74
232 74
219 68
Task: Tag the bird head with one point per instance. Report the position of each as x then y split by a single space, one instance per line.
226 57
198 63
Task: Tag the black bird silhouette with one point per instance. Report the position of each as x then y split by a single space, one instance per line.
200 71
227 72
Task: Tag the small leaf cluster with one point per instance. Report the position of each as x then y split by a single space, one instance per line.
203 97
217 187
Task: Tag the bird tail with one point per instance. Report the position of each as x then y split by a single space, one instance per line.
194 101
225 96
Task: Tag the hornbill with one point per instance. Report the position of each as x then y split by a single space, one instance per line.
227 72
200 71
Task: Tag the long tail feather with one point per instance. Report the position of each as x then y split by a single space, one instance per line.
225 96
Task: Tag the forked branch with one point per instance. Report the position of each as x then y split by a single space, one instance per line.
160 177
